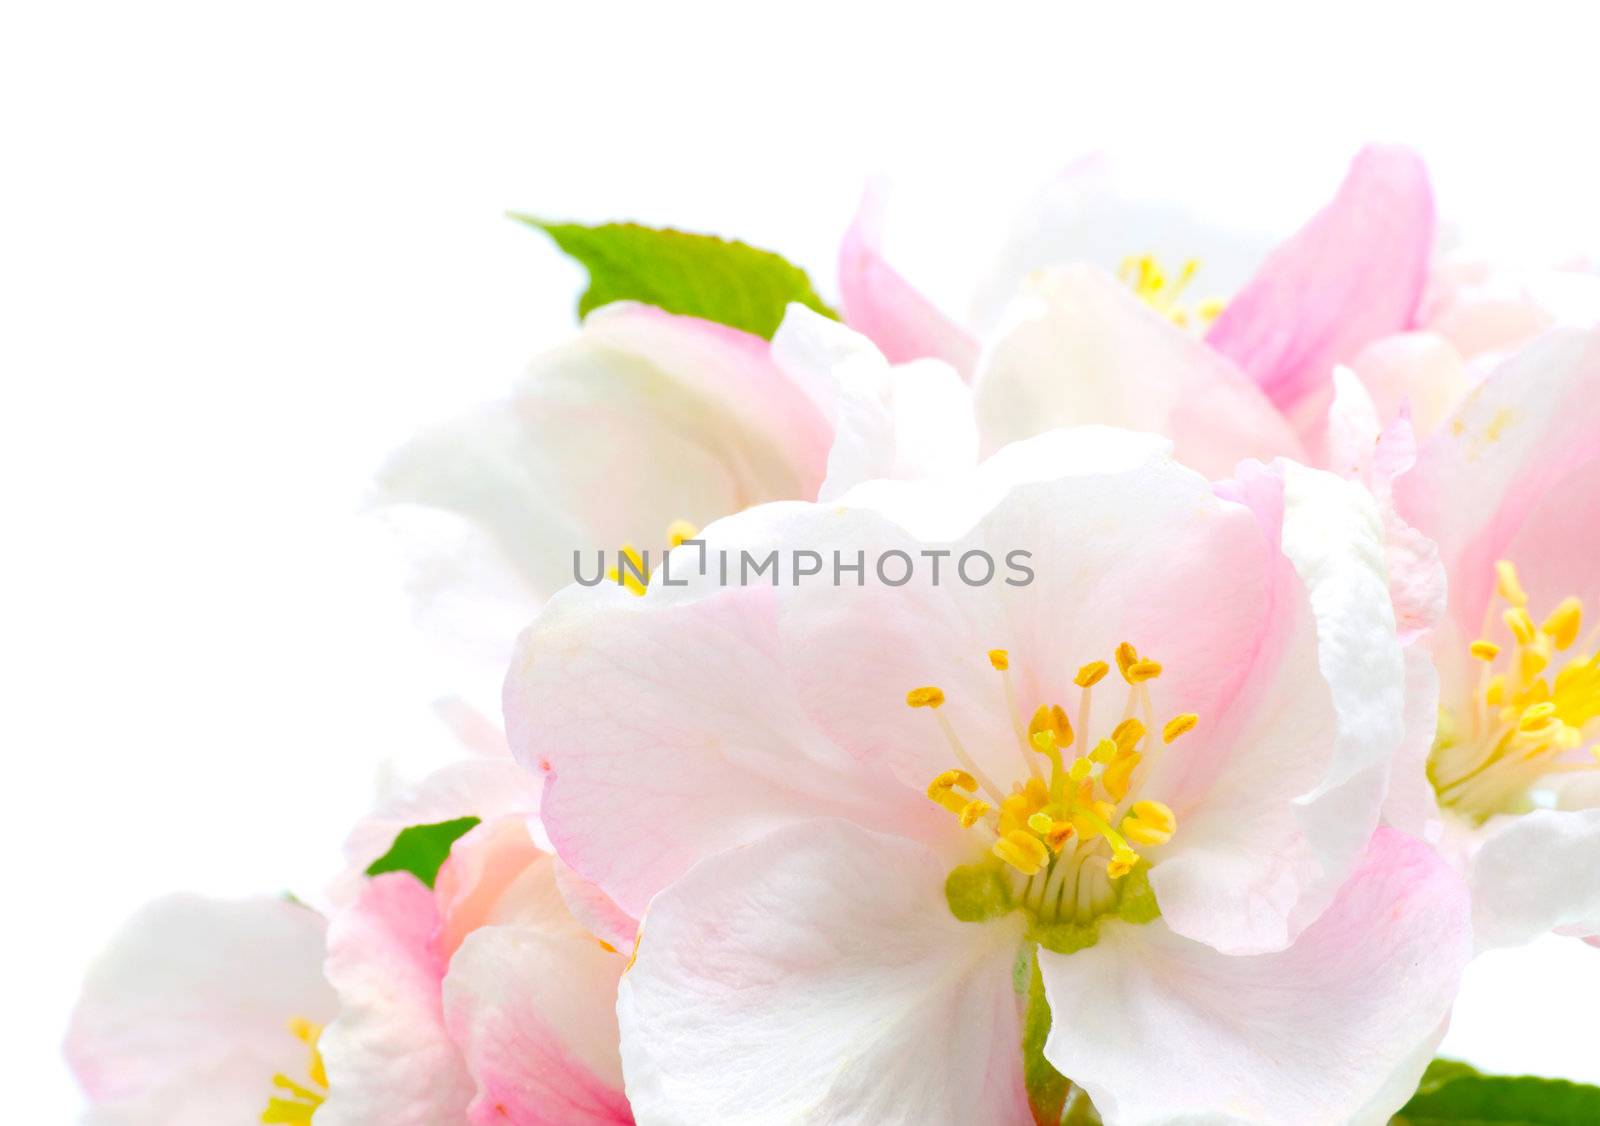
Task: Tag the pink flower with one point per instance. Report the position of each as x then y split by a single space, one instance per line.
643 422
488 998
1182 833
1509 487
205 1011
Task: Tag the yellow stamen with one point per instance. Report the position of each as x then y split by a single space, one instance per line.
929 697
303 1101
1127 656
942 790
1484 650
973 812
679 531
1116 777
1520 624
1000 659
1564 622
1104 751
1179 725
1091 674
1126 735
1507 585
1141 671
1023 851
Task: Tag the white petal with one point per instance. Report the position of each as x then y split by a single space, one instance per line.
1335 1029
1536 873
906 422
190 1006
1078 347
818 976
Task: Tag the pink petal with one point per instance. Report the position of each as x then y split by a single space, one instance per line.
883 306
534 1015
1355 272
388 1055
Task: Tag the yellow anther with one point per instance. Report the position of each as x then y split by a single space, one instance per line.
1484 650
1079 770
1520 625
1210 309
1091 674
1495 694
1532 659
1126 735
1059 834
1116 777
1507 585
1564 622
1051 718
1139 832
1127 657
1023 851
942 789
1178 725
929 697
1536 716
1000 659
973 812
1104 751
1121 863
1140 671
1040 822
1157 815
953 779
680 530
629 577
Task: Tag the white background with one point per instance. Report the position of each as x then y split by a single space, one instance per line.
246 248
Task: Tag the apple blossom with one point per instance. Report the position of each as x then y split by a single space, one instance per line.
204 1011
487 997
1509 487
1155 772
645 424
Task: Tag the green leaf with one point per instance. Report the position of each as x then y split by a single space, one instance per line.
1454 1094
421 849
699 275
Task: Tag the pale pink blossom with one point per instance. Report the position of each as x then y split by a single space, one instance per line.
205 1011
1509 487
644 423
738 765
487 998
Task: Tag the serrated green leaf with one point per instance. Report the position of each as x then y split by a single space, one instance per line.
422 849
703 276
1454 1094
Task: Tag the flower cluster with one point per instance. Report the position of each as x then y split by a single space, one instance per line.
1295 711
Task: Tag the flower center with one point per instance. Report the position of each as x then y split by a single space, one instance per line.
302 1101
1150 283
1062 839
1531 711
633 569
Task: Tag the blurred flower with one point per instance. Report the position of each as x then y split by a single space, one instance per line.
645 420
205 1011
839 887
